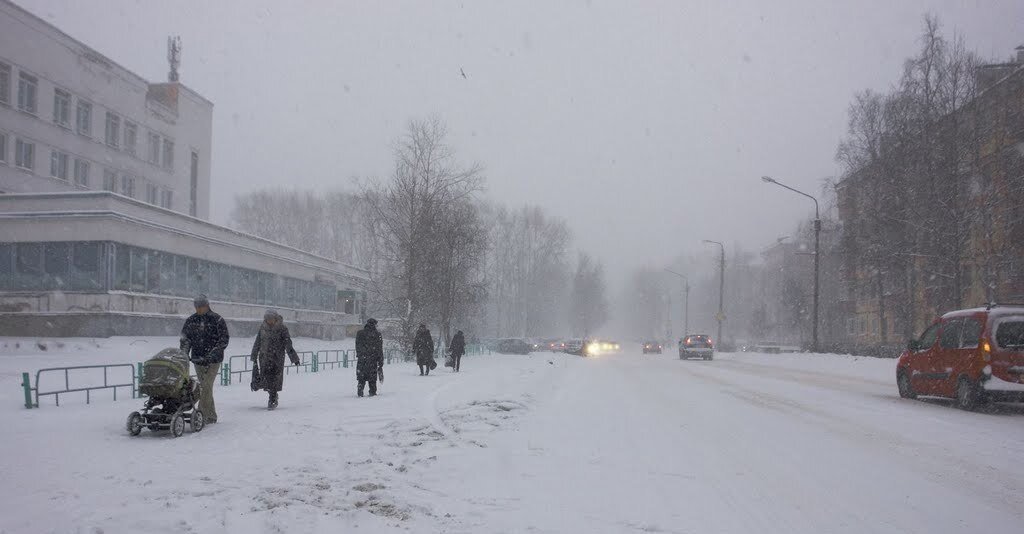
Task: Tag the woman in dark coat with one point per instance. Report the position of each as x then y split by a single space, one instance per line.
423 347
272 342
457 349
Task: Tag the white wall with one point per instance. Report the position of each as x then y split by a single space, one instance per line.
58 61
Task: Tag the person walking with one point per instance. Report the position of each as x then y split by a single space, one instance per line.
204 338
457 349
370 357
423 347
272 342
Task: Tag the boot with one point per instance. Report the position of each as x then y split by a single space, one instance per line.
272 401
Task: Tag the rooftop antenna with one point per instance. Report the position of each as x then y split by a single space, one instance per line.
173 57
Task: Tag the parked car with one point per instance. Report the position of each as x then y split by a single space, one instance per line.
973 356
696 346
652 347
574 346
555 345
513 346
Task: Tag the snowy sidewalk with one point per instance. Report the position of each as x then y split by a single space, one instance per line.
541 443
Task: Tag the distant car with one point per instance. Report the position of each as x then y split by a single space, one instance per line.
973 356
652 347
574 346
513 346
696 346
554 345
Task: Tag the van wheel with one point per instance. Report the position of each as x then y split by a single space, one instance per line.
906 390
966 394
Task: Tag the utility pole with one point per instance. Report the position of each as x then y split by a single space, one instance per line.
721 288
817 256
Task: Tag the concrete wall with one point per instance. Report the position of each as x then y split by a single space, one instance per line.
29 44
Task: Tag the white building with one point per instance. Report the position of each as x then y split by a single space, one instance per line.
104 193
72 119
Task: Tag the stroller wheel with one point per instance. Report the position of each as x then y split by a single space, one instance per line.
134 423
198 421
178 425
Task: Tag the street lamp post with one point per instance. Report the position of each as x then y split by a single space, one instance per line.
817 255
686 301
721 288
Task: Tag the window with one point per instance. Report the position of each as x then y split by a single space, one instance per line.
6 266
165 198
131 132
55 264
27 87
3 147
194 191
153 149
113 130
83 118
85 266
28 266
138 270
59 165
128 186
153 272
1010 334
152 193
950 337
927 339
5 84
168 161
62 108
109 180
971 335
25 154
82 172
122 267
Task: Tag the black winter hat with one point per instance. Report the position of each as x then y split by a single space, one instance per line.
371 322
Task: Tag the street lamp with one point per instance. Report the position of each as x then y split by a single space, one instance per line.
817 256
721 288
686 301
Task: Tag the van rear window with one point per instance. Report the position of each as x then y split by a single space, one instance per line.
1010 335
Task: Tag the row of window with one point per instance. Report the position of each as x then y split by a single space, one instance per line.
79 171
119 133
100 266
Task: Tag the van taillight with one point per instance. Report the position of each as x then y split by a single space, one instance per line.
986 351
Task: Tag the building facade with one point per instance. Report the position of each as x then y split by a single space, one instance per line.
72 119
921 236
104 201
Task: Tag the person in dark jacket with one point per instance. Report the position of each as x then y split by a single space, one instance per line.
423 347
272 342
369 356
204 338
457 349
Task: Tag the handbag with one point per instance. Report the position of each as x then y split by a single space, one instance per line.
257 378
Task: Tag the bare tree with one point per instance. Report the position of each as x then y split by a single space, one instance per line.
406 216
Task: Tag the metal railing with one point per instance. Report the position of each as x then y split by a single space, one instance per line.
32 393
238 365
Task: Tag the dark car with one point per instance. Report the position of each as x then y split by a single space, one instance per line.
696 346
652 347
514 346
973 356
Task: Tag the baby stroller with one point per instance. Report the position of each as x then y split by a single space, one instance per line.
173 396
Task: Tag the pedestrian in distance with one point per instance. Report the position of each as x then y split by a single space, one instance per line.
204 338
369 358
272 342
457 349
423 347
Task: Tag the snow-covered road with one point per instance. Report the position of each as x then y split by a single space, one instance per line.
542 443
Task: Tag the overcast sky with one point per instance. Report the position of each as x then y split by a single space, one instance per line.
647 125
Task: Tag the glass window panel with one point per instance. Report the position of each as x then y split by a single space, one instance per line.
55 264
138 279
153 279
28 266
122 267
86 274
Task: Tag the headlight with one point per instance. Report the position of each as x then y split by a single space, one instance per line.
593 347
